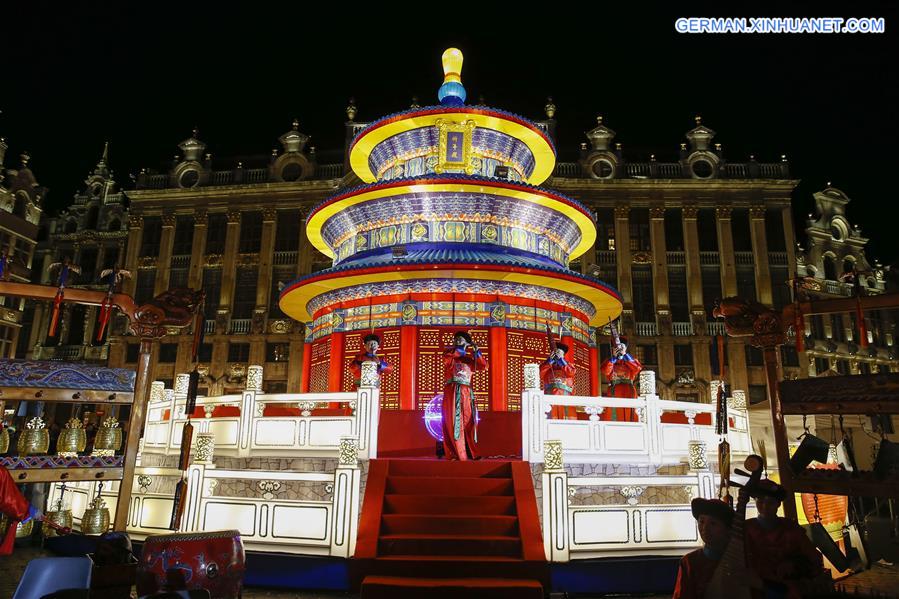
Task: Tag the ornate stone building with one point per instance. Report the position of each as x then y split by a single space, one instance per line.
20 212
672 237
92 233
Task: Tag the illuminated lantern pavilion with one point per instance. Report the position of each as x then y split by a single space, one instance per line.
449 232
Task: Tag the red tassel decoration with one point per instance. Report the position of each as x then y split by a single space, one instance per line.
199 331
105 311
54 319
862 329
800 330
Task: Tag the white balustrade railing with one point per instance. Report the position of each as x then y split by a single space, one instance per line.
308 527
682 329
627 527
247 432
653 440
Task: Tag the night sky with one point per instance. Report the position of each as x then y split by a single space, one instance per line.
142 76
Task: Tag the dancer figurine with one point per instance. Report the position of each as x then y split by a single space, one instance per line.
621 371
460 413
557 376
369 353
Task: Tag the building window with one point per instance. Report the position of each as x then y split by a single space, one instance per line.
212 284
677 294
788 356
279 277
746 283
111 258
711 288
644 297
245 293
708 231
647 354
683 354
215 233
204 353
780 287
830 268
88 266
132 351
605 230
774 231
274 386
184 236
168 353
178 278
739 226
822 365
150 237
674 230
250 232
238 352
838 333
277 352
754 356
883 368
639 229
864 368
146 282
287 231
843 367
757 394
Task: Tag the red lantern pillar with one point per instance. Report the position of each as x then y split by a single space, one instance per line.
498 370
335 366
594 371
307 367
408 366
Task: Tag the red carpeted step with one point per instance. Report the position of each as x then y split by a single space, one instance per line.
448 544
448 486
394 587
463 524
481 468
457 566
437 504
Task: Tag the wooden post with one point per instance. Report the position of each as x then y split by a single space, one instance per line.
135 422
408 367
497 344
773 375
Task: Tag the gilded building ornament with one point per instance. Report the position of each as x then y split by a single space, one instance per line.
757 212
248 259
212 260
269 214
201 217
169 220
622 211
147 262
135 221
723 212
279 327
657 212
454 146
690 211
642 257
233 217
552 456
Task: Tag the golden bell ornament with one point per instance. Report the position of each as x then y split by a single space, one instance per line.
109 437
95 520
35 439
72 439
4 440
61 518
24 529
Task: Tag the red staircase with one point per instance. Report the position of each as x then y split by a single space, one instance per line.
450 529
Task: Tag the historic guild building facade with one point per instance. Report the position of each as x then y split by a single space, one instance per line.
21 197
672 237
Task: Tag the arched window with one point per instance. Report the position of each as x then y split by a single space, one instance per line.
830 268
71 226
92 215
21 207
848 264
115 225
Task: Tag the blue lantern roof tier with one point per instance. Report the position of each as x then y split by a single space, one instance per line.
451 211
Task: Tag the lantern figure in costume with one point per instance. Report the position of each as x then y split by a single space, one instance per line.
557 376
368 353
460 433
621 371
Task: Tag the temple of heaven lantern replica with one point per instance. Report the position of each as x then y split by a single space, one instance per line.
450 231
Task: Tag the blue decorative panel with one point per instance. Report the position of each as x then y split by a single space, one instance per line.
65 375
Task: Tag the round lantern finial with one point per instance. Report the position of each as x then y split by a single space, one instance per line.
452 92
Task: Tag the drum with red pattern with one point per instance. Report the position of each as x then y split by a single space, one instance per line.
197 560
